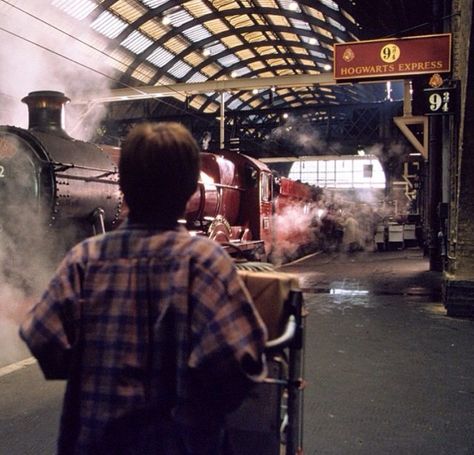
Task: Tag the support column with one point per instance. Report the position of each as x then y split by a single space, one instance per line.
222 122
458 290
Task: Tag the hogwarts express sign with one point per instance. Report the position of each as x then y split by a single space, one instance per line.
391 58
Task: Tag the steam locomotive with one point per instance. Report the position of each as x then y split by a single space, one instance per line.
70 184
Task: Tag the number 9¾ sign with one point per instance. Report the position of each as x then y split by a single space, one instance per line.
440 101
390 53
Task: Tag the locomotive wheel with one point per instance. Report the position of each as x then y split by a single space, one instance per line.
219 230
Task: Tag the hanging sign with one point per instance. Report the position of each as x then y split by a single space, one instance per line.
392 58
441 101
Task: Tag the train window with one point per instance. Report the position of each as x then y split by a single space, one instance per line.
265 187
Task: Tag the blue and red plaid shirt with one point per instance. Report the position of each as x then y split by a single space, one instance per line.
145 322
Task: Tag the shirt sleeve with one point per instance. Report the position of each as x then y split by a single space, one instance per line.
228 335
50 328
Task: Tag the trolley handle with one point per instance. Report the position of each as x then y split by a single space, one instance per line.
287 336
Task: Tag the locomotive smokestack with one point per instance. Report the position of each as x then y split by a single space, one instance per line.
46 111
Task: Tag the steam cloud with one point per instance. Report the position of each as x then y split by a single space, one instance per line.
29 67
29 251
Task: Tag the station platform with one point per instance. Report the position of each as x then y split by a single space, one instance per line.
387 371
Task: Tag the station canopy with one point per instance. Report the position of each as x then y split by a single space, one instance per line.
164 43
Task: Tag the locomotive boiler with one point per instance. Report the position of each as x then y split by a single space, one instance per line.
48 178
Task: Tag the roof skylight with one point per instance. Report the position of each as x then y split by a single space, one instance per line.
302 25
179 69
196 33
179 18
79 9
136 42
108 24
160 57
197 77
229 60
153 3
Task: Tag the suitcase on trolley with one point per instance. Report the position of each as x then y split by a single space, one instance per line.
269 421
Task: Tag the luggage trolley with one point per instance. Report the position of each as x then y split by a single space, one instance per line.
270 421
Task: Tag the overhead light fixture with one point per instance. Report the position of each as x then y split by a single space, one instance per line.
255 91
312 41
166 20
293 6
327 67
206 52
285 115
234 74
273 88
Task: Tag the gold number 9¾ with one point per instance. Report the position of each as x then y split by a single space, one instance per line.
390 53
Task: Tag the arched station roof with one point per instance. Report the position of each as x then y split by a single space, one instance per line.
153 43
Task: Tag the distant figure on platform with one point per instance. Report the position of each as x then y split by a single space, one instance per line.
152 328
351 239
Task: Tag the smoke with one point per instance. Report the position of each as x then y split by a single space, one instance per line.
32 59
35 56
296 232
299 137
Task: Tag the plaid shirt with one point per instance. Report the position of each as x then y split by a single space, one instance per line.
141 320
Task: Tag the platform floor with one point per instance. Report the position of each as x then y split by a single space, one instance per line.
388 372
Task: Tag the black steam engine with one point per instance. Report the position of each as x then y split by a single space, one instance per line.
48 178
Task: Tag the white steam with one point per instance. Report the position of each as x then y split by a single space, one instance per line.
35 56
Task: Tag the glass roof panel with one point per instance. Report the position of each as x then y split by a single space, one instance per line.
217 48
267 3
231 41
179 18
228 60
194 58
165 80
108 24
197 8
285 4
234 104
179 69
331 4
79 9
216 25
336 24
121 59
177 44
241 71
278 20
318 54
312 41
323 31
222 5
297 23
144 73
211 69
197 77
299 50
255 66
136 42
130 10
315 13
154 29
245 54
290 36
196 33
242 20
160 57
153 3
